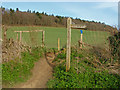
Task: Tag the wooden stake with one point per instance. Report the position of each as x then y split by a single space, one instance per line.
17 36
58 44
81 41
20 36
20 45
69 22
5 33
43 34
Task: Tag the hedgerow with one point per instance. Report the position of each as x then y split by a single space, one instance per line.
115 46
88 79
85 76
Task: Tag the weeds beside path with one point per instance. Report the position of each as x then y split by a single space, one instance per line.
41 73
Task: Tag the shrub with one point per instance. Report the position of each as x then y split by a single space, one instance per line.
61 56
115 46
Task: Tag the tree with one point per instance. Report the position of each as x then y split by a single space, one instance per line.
17 9
83 20
37 13
40 16
76 18
52 14
3 9
42 12
29 11
56 20
11 10
103 23
33 11
46 14
11 17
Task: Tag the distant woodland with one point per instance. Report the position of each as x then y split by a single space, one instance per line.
16 17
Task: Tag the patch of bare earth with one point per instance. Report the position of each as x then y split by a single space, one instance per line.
41 73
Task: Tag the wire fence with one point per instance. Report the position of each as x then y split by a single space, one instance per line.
90 38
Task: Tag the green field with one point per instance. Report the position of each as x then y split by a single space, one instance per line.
96 38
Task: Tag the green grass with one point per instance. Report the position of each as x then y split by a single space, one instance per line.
96 38
19 70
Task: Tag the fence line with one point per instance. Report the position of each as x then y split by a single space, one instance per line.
43 35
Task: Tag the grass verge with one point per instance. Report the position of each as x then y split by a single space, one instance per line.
19 70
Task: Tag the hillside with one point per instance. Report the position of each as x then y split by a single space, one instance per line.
16 17
38 51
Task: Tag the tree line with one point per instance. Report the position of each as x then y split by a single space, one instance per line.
17 17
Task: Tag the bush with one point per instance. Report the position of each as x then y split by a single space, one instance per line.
61 56
115 46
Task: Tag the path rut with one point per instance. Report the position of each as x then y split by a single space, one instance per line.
41 73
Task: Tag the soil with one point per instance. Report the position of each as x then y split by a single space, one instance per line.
41 73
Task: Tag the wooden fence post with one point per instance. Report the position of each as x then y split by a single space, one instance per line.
19 44
20 36
68 53
58 44
81 42
43 35
17 36
5 33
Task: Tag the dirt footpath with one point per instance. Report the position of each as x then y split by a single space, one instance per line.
42 72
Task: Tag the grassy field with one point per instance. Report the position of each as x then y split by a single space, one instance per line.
96 38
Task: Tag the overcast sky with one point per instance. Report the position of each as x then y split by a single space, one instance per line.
106 12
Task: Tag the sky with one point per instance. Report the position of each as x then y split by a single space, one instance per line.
106 12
